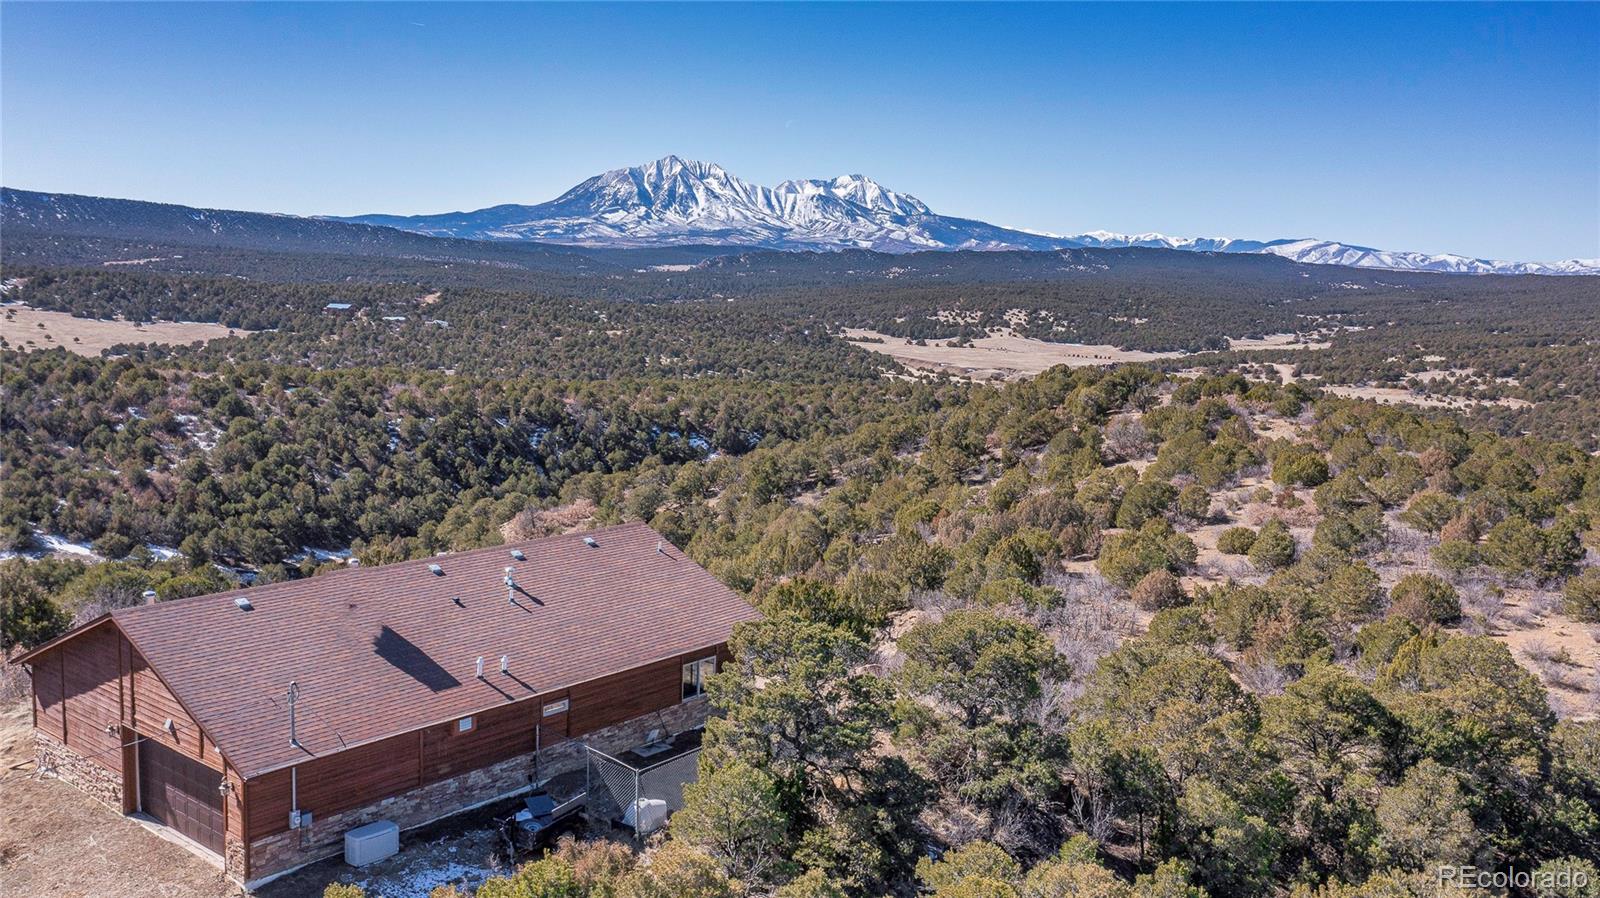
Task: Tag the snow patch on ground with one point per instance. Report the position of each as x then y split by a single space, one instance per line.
422 877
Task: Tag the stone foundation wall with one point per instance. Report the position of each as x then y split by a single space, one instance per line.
325 836
56 759
233 851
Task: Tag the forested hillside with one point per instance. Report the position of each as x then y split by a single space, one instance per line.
1119 632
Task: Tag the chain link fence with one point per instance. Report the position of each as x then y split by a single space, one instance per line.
644 796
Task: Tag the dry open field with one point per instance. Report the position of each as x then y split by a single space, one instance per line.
998 356
1392 395
1007 356
30 329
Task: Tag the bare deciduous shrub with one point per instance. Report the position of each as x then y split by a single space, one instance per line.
535 522
1093 618
1263 677
1482 603
1543 602
1127 438
14 681
934 603
1407 541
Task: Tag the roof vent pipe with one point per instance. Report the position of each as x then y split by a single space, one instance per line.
149 596
480 667
511 586
505 664
294 693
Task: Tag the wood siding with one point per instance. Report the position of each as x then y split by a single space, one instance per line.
153 705
358 776
623 696
88 688
49 709
333 783
91 668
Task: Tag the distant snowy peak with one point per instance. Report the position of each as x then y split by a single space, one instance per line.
1108 240
1326 252
676 201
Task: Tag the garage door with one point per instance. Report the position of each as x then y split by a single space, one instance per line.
181 793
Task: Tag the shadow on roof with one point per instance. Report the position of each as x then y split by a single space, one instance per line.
412 661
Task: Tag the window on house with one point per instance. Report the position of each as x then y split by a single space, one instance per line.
464 725
695 674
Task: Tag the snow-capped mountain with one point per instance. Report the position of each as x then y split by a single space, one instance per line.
675 202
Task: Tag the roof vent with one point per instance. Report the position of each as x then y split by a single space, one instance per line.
244 604
480 667
518 555
437 570
149 596
589 541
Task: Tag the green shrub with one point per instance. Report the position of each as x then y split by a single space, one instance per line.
1181 626
1299 465
28 616
1127 557
1273 547
1236 541
1424 599
1455 555
1194 503
1145 500
1581 597
1430 511
1378 641
1158 590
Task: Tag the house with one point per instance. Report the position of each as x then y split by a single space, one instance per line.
262 724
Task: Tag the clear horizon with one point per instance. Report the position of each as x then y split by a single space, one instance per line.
1469 129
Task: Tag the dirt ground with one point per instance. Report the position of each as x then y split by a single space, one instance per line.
21 328
57 841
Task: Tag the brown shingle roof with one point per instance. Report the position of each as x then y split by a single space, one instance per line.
386 650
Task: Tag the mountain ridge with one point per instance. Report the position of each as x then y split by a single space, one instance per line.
674 201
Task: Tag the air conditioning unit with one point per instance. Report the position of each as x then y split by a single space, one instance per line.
371 843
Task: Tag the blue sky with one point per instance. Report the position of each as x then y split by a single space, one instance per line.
1435 127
